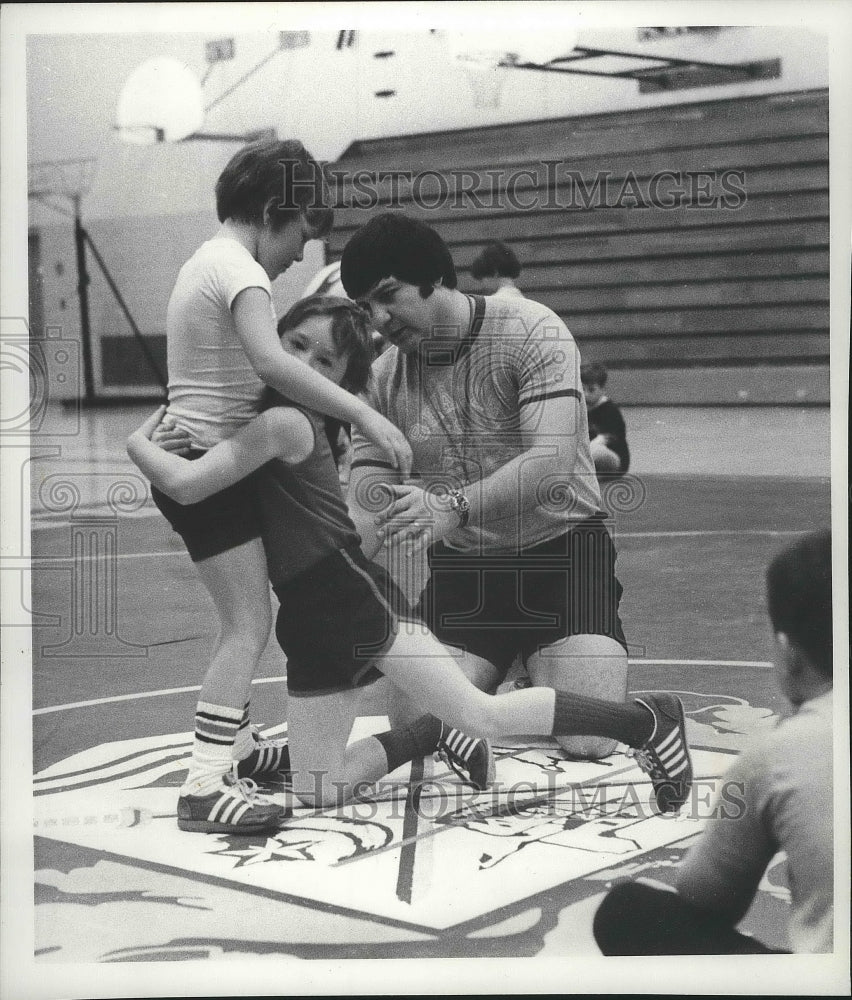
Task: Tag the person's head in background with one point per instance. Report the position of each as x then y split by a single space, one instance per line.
274 196
593 376
496 267
798 587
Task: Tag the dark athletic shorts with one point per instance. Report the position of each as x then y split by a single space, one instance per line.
223 521
498 606
335 620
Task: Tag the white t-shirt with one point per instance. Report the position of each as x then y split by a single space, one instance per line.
213 389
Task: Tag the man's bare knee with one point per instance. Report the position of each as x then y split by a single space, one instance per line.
587 747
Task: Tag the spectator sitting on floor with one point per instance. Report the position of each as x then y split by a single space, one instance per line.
607 430
495 269
784 786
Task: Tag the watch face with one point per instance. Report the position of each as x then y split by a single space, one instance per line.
459 502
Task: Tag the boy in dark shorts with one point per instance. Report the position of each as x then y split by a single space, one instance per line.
223 348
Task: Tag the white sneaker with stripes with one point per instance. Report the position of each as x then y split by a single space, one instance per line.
665 755
471 759
235 808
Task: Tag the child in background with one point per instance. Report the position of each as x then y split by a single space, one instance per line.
223 348
607 430
496 269
339 618
783 783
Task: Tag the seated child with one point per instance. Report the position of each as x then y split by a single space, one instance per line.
607 430
784 783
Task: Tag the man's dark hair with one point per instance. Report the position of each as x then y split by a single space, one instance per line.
798 586
593 373
283 172
495 261
396 246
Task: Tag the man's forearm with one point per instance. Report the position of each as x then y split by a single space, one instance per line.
517 488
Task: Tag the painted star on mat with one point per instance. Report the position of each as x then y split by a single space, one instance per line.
256 853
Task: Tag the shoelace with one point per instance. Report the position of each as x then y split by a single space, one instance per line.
644 759
449 758
258 737
247 790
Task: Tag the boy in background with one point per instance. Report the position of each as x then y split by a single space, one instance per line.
496 269
785 782
607 430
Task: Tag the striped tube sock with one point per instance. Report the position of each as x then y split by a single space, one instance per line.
212 748
576 715
409 742
244 740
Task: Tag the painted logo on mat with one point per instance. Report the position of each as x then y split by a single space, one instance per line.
458 859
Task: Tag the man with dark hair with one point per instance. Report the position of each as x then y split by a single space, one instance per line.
487 391
496 269
783 784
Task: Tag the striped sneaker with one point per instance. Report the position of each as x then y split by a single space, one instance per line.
471 759
236 808
269 759
665 755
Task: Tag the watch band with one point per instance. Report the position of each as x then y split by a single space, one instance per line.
461 505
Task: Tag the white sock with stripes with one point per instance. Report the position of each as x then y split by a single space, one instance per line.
212 749
244 740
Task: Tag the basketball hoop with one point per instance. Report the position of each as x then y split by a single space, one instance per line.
486 57
161 101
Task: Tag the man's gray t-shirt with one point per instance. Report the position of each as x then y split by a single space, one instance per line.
459 404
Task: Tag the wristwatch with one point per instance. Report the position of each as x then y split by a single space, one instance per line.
461 505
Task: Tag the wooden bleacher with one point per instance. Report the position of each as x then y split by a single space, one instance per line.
687 304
